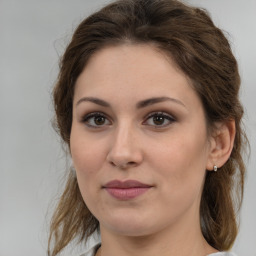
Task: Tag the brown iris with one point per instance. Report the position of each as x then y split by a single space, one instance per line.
158 120
99 120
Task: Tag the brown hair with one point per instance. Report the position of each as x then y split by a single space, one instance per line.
203 53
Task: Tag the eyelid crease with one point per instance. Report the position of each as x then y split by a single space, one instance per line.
92 114
163 113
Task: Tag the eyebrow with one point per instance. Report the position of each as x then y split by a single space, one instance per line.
94 100
151 101
140 104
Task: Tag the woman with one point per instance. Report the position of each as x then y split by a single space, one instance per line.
147 103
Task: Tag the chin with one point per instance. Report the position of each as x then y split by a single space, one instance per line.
129 226
135 231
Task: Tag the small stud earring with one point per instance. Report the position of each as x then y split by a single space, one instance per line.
215 168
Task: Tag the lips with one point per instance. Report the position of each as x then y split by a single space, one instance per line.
126 190
126 184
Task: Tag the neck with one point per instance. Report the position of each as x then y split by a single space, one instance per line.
182 241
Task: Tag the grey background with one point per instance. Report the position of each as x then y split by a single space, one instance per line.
33 34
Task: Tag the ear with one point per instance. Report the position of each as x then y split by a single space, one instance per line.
221 144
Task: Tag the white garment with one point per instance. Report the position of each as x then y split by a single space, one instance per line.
92 251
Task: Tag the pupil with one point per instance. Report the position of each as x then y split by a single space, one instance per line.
99 120
158 120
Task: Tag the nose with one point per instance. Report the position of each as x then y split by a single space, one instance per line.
125 150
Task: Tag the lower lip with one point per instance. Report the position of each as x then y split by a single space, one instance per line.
126 193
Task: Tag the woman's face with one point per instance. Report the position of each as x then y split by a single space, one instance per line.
138 141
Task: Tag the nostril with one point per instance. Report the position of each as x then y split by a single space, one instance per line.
132 163
112 163
123 165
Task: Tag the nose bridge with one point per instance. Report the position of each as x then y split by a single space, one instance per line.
125 148
123 137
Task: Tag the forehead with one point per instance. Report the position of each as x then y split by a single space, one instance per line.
133 71
131 57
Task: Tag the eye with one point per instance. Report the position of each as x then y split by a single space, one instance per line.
159 119
96 120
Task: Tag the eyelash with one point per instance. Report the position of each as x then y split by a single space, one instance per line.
92 115
164 115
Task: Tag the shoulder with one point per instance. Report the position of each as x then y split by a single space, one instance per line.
222 254
91 251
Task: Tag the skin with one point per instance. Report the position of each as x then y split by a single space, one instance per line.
125 142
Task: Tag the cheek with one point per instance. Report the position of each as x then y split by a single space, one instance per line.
87 159
88 156
183 153
181 161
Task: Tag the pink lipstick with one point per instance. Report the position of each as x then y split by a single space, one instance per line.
125 190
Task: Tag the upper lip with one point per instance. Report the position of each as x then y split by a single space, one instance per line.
126 184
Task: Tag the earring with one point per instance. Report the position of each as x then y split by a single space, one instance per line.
215 168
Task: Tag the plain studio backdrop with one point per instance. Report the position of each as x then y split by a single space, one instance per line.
33 35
